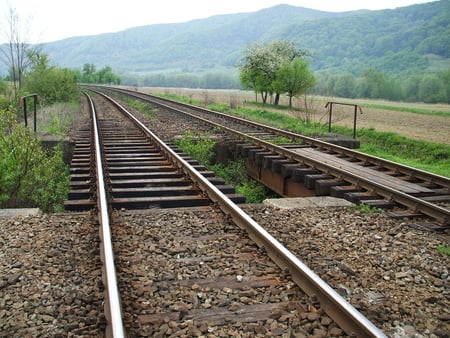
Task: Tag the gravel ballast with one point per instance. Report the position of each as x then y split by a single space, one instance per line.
51 283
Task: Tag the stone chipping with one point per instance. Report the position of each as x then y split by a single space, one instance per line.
391 272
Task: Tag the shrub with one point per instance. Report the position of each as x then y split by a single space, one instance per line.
200 148
29 176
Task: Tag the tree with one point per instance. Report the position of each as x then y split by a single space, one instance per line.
431 90
106 76
294 78
258 70
445 77
51 83
261 64
88 73
103 76
344 86
16 53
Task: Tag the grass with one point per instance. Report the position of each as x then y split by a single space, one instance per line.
57 118
143 107
407 109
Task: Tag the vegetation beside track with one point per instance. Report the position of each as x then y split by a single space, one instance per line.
428 156
201 147
29 175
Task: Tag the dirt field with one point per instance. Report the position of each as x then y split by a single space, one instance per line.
417 126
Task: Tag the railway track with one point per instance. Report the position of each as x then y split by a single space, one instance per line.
173 278
325 168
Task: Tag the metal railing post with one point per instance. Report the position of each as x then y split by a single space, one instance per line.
23 101
344 104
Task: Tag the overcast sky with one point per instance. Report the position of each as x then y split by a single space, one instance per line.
51 20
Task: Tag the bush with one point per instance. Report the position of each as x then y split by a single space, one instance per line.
29 176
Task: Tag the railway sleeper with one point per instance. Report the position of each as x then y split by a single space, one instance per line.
245 149
79 205
159 202
380 203
277 165
75 185
294 146
339 191
154 191
79 194
404 214
358 197
261 156
84 177
146 175
299 174
223 315
268 160
256 154
287 169
310 180
323 187
80 170
158 167
437 199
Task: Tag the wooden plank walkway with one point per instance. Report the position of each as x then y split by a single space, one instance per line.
377 176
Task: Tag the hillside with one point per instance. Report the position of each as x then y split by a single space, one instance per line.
401 41
192 46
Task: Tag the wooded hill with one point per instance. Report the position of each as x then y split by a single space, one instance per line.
405 39
400 42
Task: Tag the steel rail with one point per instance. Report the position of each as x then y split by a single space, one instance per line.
113 310
345 315
441 214
351 153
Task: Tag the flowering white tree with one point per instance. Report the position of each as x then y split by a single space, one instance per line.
261 65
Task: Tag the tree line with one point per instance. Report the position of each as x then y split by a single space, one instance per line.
428 88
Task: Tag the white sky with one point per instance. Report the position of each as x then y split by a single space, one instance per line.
51 20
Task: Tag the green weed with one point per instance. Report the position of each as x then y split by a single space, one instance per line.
367 209
443 249
142 107
200 147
